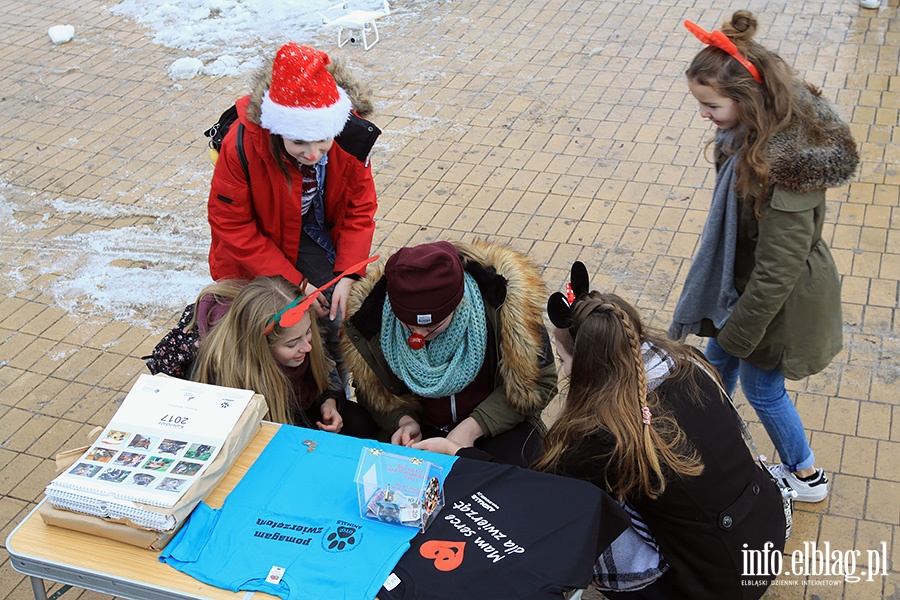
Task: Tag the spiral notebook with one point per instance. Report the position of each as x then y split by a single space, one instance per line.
160 441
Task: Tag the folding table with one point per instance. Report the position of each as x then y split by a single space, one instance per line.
86 561
77 559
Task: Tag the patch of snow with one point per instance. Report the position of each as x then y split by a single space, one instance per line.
232 36
60 34
185 68
140 273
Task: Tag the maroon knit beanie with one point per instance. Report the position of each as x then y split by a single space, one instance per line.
424 283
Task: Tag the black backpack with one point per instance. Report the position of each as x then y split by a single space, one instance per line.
175 353
217 132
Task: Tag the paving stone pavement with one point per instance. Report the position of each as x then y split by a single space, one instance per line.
563 129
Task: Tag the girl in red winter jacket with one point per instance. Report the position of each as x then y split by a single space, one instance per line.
292 193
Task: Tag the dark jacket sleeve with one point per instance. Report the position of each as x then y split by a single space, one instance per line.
356 192
475 453
496 416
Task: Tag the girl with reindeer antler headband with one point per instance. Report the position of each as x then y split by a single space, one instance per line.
763 285
268 342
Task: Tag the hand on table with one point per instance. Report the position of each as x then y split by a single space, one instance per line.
466 432
331 418
408 432
439 445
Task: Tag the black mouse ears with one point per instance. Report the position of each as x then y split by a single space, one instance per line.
559 306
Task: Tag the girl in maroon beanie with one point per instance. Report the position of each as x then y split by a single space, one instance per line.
449 341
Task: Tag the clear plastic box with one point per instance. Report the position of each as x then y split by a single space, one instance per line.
396 489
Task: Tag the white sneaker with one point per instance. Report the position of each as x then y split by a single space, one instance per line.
870 3
807 491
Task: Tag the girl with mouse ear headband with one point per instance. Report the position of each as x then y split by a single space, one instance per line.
644 420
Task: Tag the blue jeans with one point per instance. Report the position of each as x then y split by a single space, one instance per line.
767 395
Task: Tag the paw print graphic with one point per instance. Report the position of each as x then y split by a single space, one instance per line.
342 538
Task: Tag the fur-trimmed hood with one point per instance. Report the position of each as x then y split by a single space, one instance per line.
359 93
510 285
803 159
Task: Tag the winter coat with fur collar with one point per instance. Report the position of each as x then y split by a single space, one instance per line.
256 223
788 315
523 372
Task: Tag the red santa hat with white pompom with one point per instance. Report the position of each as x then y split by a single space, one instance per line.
303 101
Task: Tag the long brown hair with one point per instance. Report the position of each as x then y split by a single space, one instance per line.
284 160
236 353
607 390
763 109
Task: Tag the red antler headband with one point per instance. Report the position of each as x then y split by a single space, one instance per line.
293 313
720 40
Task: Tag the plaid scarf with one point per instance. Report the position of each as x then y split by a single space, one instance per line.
310 186
657 363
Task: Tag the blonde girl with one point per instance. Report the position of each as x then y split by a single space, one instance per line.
249 348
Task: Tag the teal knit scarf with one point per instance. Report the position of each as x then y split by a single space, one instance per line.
450 361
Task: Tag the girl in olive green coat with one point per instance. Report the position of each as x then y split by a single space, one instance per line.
763 285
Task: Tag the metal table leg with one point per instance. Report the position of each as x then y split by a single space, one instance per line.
37 586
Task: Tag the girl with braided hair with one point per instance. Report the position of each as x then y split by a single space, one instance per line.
611 387
644 420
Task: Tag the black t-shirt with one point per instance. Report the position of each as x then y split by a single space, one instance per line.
507 532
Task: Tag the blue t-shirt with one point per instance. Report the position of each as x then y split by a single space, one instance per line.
292 525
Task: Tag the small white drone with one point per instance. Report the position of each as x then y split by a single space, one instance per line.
362 21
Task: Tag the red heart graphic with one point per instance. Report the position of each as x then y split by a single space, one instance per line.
447 555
